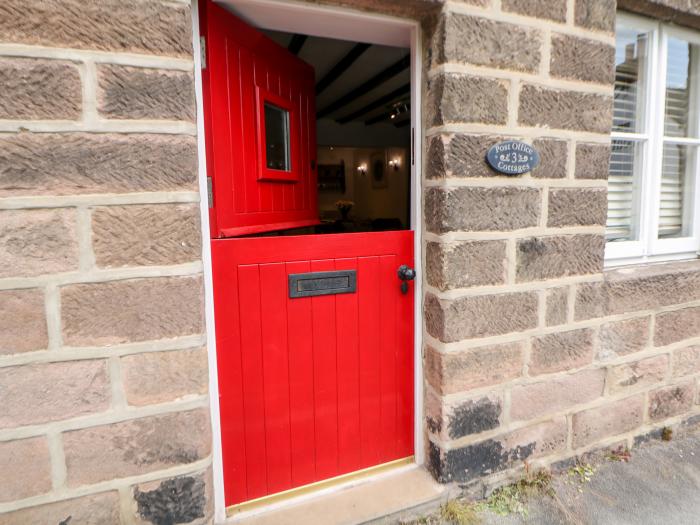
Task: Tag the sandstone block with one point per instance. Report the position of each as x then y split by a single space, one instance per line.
575 58
95 509
557 300
182 499
77 163
577 207
561 351
27 468
131 310
591 301
553 158
614 418
592 161
39 89
686 361
463 98
22 321
638 374
37 242
464 264
435 158
595 14
466 158
554 395
540 258
620 338
675 326
671 401
140 93
481 209
549 9
456 419
136 446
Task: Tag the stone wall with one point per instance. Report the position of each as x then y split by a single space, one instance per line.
103 366
532 351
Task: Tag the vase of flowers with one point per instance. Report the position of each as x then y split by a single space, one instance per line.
344 208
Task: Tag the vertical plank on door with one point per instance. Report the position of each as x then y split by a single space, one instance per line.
405 349
389 286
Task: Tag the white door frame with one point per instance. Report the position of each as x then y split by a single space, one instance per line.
331 22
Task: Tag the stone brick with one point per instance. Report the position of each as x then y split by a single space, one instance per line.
157 377
436 155
577 58
40 393
554 395
22 321
140 93
557 300
146 235
541 258
37 242
590 301
452 320
76 163
592 161
453 419
479 41
463 264
595 14
553 158
39 89
95 509
675 326
453 372
608 420
131 310
137 446
182 499
549 9
561 351
680 12
620 338
671 401
686 361
466 156
27 468
638 374
559 109
481 209
462 98
110 25
577 207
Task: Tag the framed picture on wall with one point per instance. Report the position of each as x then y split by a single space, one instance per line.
378 172
331 177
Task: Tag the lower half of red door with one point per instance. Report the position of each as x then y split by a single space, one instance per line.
318 386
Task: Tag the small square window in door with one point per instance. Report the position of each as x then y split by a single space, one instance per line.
277 129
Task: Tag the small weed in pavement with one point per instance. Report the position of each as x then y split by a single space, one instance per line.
580 474
621 453
460 512
513 498
666 434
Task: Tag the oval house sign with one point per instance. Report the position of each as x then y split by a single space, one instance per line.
513 157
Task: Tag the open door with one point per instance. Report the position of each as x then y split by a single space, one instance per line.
314 332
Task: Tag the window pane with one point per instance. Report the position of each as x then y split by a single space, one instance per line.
680 82
677 174
630 63
277 138
623 191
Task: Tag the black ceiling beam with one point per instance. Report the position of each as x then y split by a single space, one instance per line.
342 65
381 101
296 43
384 116
367 86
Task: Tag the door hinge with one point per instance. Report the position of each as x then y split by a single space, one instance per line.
210 193
203 51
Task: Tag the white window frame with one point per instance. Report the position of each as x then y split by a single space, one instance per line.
648 247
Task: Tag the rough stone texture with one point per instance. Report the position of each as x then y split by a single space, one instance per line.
681 12
461 371
480 316
595 14
550 9
39 89
26 467
139 93
39 393
37 242
638 374
614 418
575 58
96 509
462 98
466 156
554 395
131 310
553 158
675 326
481 209
559 109
115 25
136 446
456 419
435 167
541 258
561 351
177 500
22 321
592 161
619 338
671 401
463 264
577 207
557 300
157 377
146 235
686 361
475 40
74 163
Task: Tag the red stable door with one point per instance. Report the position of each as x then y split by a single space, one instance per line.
314 333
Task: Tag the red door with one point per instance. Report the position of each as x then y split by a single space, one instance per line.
314 333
